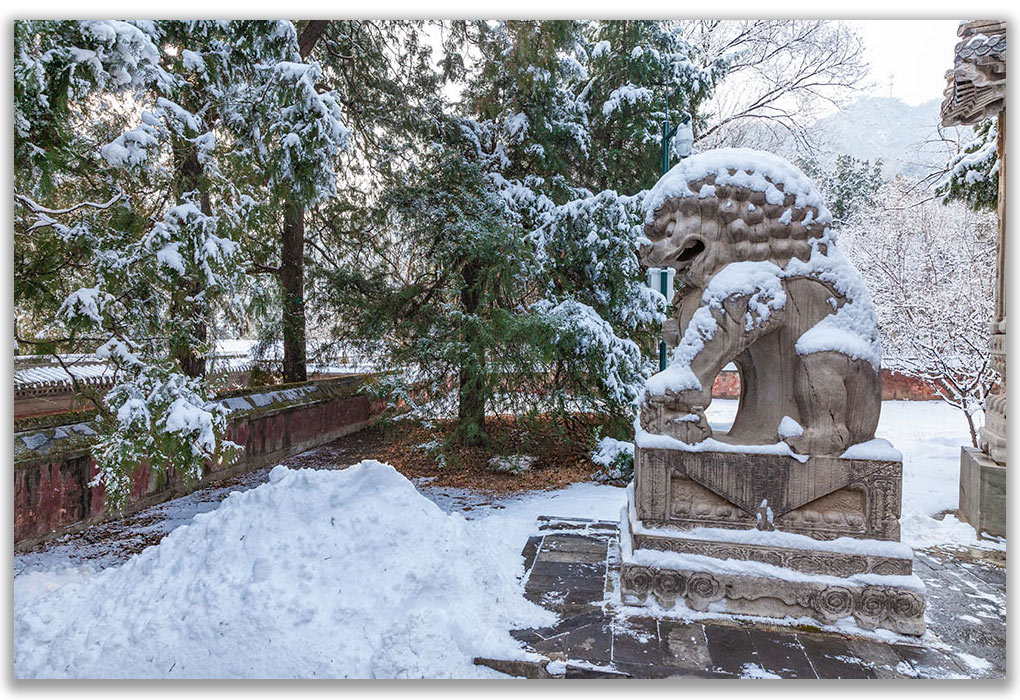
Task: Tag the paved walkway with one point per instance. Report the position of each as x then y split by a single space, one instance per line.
572 567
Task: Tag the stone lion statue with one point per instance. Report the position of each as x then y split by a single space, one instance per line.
763 285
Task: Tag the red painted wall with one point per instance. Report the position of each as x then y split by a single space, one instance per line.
52 494
895 387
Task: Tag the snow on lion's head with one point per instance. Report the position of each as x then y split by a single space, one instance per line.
731 205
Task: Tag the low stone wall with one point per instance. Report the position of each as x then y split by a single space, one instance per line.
60 397
53 464
900 387
895 387
726 385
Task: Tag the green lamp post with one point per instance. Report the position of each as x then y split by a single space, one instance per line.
682 137
661 279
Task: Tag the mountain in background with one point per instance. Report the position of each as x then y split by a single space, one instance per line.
906 138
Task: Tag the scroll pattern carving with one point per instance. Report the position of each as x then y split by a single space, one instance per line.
887 607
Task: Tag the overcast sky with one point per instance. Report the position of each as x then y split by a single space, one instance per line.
916 52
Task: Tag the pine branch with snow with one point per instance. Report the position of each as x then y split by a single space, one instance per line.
221 118
972 176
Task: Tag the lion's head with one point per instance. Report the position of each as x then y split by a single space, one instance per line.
731 205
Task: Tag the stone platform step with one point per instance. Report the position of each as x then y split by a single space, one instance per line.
572 566
736 576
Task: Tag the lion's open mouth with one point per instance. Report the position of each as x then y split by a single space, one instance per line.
691 250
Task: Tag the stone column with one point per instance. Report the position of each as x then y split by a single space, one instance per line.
983 472
993 435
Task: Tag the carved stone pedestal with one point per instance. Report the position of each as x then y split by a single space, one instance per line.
983 472
769 535
982 492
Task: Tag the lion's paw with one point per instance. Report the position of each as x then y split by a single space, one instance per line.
818 441
690 428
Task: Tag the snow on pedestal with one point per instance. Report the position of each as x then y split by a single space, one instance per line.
795 511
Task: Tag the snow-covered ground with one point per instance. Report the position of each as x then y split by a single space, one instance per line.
357 573
930 435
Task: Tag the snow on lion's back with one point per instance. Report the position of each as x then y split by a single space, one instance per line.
314 574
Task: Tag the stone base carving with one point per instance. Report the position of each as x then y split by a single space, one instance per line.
982 492
717 578
769 535
823 497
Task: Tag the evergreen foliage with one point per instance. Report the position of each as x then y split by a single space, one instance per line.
973 176
633 67
557 133
850 188
210 120
451 312
468 217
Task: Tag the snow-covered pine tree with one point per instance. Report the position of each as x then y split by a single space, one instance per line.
60 67
216 110
633 66
524 126
573 319
849 188
439 286
381 73
297 140
576 133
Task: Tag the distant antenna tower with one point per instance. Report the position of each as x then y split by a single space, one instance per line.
891 76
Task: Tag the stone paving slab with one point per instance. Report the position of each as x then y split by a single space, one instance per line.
572 567
783 656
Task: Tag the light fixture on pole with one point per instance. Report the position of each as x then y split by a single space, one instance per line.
683 141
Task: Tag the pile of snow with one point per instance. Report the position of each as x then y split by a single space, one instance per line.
315 574
877 449
788 427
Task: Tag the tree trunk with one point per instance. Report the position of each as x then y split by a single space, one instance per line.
292 279
310 35
192 364
292 255
471 393
973 429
